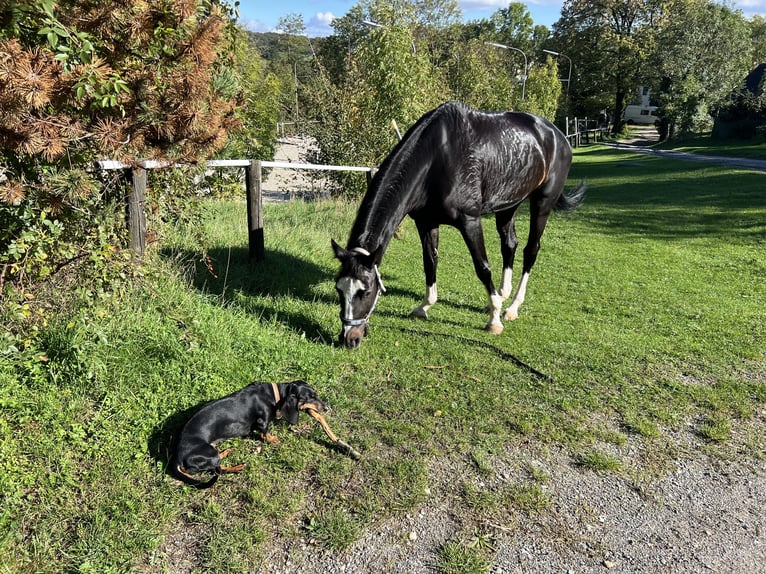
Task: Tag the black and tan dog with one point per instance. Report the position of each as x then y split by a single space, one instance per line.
237 415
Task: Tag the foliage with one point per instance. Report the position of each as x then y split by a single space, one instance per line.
608 42
757 26
259 91
543 90
703 54
124 80
387 80
482 76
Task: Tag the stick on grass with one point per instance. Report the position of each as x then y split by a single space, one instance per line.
348 449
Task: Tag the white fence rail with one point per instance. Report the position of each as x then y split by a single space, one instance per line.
253 188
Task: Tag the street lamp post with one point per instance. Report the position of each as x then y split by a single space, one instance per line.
569 75
526 66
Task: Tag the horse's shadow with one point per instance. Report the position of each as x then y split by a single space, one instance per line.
231 276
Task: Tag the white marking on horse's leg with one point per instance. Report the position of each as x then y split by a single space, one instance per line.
495 303
506 286
513 310
421 311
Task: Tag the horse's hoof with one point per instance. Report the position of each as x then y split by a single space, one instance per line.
494 328
419 313
510 315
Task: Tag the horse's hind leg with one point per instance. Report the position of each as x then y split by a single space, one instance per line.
541 205
429 238
506 229
474 239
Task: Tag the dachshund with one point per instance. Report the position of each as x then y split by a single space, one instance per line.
237 415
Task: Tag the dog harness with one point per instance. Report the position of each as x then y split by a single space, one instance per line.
381 289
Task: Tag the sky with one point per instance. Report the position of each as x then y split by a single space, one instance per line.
263 15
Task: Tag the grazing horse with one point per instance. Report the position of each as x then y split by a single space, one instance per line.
453 166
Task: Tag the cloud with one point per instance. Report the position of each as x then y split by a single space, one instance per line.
482 4
320 24
255 26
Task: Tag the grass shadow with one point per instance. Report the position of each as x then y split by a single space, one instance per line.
230 276
647 196
163 439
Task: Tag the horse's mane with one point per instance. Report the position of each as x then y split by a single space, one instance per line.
386 187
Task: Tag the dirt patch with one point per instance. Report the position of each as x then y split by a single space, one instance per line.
283 184
641 136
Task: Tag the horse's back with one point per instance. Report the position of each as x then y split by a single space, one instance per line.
504 156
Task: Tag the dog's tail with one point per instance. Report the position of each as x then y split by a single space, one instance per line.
178 471
572 200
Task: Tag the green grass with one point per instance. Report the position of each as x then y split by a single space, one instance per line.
457 557
645 312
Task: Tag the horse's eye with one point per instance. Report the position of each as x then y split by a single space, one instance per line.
363 293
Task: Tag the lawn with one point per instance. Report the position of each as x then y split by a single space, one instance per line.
644 317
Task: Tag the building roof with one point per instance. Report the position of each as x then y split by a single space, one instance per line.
754 78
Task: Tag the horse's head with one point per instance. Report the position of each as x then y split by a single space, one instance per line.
359 286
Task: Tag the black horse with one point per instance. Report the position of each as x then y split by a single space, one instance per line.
453 166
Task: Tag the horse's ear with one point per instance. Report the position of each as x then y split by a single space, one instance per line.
340 253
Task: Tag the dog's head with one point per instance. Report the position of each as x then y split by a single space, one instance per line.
299 396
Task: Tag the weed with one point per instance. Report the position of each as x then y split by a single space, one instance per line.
335 530
456 557
715 428
529 497
599 461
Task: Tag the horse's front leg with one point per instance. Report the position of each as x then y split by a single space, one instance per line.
474 239
429 239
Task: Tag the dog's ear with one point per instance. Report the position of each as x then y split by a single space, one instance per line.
289 409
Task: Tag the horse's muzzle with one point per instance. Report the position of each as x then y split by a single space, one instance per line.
351 336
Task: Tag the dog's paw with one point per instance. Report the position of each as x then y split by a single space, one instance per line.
270 438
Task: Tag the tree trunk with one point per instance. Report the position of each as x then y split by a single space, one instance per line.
619 108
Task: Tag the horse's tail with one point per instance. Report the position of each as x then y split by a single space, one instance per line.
571 201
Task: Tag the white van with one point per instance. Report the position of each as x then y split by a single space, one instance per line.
646 115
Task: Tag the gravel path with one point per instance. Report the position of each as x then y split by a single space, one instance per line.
645 136
703 515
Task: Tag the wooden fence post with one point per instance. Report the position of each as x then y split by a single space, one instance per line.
254 211
136 211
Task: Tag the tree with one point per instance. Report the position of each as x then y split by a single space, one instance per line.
82 80
702 55
543 90
608 42
258 104
758 35
484 76
384 79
